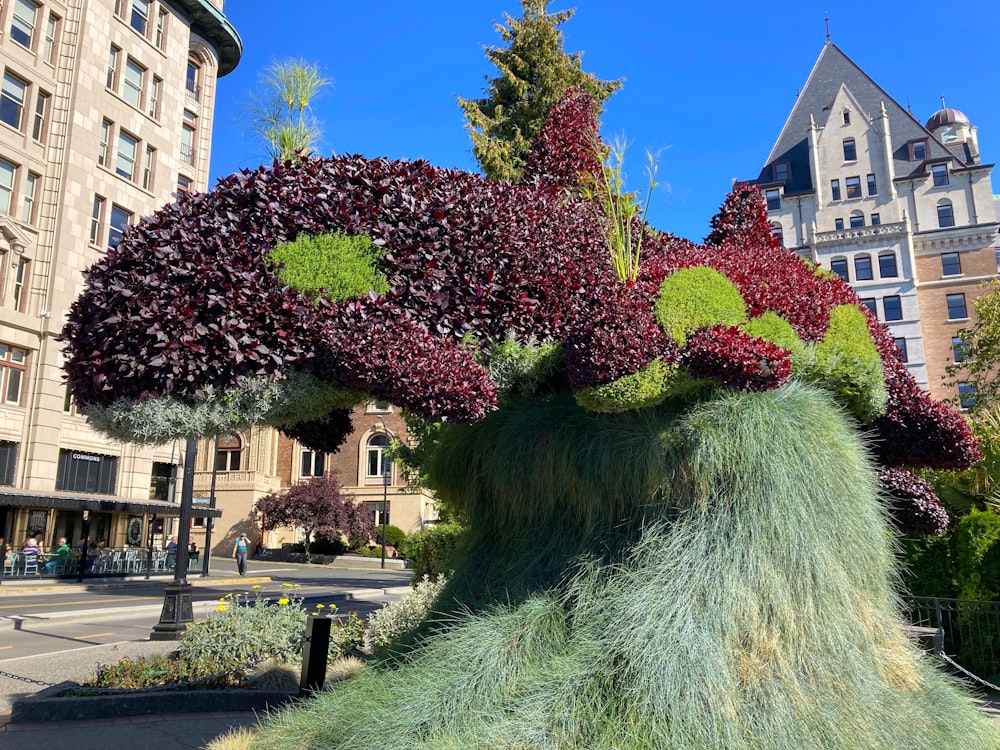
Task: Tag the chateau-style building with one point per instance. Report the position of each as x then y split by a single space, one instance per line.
901 210
106 113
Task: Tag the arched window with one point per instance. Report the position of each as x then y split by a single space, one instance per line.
779 235
946 216
857 219
850 150
887 265
377 462
863 267
192 81
227 454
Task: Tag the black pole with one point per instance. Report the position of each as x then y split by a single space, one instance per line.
177 607
209 521
81 566
149 546
386 476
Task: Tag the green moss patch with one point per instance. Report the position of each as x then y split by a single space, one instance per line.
693 298
338 266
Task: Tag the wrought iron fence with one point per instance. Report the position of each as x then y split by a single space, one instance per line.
971 630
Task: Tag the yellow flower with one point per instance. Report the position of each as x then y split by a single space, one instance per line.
320 606
255 586
221 607
283 600
287 585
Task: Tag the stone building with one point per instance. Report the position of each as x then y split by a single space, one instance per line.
106 112
901 210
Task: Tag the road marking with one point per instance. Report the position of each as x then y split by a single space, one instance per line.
4 648
83 601
95 635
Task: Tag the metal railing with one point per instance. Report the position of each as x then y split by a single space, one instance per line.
971 630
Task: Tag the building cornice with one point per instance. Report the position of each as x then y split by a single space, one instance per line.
975 237
211 24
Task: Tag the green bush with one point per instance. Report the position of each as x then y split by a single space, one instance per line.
396 618
337 265
430 551
977 538
928 569
698 297
644 388
394 536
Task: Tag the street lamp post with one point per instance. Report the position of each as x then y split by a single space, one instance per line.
178 610
386 476
210 521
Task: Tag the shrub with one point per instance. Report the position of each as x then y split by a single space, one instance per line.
693 298
977 539
430 551
335 265
643 388
928 566
394 536
393 620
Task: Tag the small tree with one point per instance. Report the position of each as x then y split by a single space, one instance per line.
319 506
977 361
279 113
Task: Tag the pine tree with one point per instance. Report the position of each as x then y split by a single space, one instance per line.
534 70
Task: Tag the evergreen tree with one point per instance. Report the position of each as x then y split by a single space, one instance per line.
534 70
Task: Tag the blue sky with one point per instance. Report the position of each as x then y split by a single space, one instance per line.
707 84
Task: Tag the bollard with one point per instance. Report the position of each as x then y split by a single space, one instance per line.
314 655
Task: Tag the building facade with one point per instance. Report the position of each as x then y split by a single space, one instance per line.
106 113
903 211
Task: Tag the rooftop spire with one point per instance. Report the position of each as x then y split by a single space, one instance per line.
826 18
942 101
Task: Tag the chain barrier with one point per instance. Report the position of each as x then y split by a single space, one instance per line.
948 660
30 680
88 691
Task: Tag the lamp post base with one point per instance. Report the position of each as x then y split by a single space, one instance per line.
177 613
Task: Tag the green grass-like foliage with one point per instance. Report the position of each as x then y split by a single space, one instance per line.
644 388
772 327
336 265
697 297
730 586
847 364
525 369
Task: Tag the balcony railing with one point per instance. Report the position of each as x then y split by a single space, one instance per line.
861 234
188 154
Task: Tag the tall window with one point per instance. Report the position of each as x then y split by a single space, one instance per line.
940 174
40 121
96 219
887 266
779 235
893 307
132 88
28 203
847 117
22 276
114 61
49 46
13 364
107 127
193 81
773 198
148 167
835 189
227 456
312 463
154 97
188 131
901 348
7 174
120 218
8 462
161 29
967 393
850 150
12 97
22 24
951 264
839 267
125 162
378 461
946 217
853 187
872 186
957 348
139 19
863 268
956 307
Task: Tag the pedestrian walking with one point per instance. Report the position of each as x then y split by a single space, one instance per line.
240 553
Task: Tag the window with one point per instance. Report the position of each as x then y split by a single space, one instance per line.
227 454
839 267
773 199
940 174
21 278
28 202
132 88
183 184
154 98
8 462
946 217
957 348
847 117
162 481
835 189
378 463
96 218
869 302
893 307
904 356
107 127
193 81
139 19
853 187
120 218
838 224
951 264
312 463
850 150
876 220
114 60
967 395
86 472
49 46
13 365
887 266
161 29
40 122
125 162
188 137
918 150
872 186
863 268
12 97
7 174
779 235
956 307
148 167
22 24
781 171
857 219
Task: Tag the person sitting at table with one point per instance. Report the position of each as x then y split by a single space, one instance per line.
30 551
60 554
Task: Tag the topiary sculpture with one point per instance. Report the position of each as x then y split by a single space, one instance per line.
677 536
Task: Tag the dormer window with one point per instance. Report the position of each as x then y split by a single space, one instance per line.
782 171
940 174
847 117
850 150
918 150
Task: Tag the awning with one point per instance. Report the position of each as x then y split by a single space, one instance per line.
98 503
